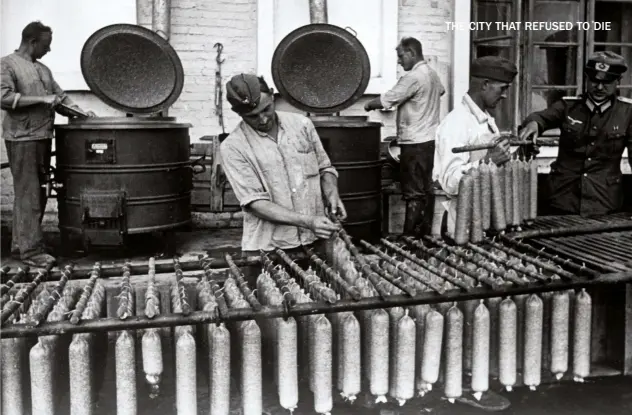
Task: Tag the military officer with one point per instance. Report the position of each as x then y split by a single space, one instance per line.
596 127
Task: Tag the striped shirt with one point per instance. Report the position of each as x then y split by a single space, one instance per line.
285 171
23 77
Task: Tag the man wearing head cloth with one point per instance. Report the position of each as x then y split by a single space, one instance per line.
279 171
471 123
596 127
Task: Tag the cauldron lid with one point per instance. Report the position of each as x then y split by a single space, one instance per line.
132 69
321 68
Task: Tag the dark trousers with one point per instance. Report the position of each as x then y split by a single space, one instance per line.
416 163
29 162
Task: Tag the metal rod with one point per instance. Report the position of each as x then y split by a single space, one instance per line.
13 305
203 317
540 252
589 249
334 277
182 291
241 282
402 267
15 279
499 261
424 264
540 142
574 230
54 297
114 270
481 278
75 317
485 265
559 271
571 253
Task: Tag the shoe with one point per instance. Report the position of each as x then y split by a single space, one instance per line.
39 260
490 401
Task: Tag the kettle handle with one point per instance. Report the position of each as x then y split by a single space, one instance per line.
353 32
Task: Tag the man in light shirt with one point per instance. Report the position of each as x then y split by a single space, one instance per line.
471 123
417 96
281 175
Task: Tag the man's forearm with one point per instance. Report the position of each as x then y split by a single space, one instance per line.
375 104
24 101
329 184
272 212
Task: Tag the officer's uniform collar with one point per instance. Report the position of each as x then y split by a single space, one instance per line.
600 108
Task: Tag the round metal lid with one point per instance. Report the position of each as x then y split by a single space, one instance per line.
321 68
132 69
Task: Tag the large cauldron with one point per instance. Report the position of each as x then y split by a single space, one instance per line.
128 175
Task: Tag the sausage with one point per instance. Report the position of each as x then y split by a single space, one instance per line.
379 354
41 365
79 367
507 347
287 363
125 374
526 191
323 400
464 210
219 369
251 394
395 314
509 193
560 314
516 192
533 190
454 354
349 377
498 202
13 359
476 230
151 347
403 387
486 195
582 333
493 305
480 350
468 307
532 365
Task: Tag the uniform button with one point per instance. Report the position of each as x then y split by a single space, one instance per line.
594 127
589 159
585 174
592 144
293 190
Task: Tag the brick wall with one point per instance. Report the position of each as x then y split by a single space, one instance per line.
198 24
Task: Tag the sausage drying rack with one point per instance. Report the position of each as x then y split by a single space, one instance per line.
577 269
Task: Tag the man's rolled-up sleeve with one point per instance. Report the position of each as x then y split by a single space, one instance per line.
324 163
9 95
242 176
405 88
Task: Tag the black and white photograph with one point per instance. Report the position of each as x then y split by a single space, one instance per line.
316 207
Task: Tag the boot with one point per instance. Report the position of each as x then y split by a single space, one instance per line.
414 216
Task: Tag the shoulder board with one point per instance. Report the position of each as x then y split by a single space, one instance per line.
624 99
572 98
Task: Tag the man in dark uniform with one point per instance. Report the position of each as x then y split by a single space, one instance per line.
596 127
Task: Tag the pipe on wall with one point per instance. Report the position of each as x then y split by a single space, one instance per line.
318 11
161 18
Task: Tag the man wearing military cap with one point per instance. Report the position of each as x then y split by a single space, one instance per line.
472 123
279 171
596 127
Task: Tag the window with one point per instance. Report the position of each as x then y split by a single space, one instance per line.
72 21
551 62
375 26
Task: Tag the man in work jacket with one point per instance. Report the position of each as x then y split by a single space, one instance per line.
596 127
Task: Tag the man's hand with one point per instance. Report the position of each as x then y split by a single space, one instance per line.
51 100
368 107
335 207
500 154
323 227
530 131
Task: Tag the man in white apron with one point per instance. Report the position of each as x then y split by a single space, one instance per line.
469 123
